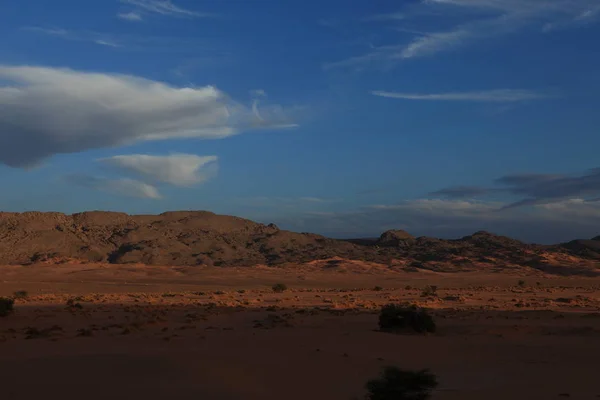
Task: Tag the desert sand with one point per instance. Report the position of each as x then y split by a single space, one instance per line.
99 331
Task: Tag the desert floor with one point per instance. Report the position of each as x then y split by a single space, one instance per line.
110 332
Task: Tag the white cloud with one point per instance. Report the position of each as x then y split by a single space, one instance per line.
258 93
441 206
47 31
164 7
481 19
106 43
498 95
175 169
315 199
46 111
137 42
122 187
573 208
130 16
92 37
435 42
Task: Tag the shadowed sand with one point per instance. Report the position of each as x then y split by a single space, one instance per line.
97 331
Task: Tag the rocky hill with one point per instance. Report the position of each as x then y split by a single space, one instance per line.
204 238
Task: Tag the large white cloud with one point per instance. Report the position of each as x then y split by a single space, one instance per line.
46 111
175 169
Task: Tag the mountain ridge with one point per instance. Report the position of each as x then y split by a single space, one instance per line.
193 238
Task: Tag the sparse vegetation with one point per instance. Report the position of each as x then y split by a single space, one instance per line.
279 287
6 306
429 291
401 318
378 288
35 333
398 384
20 294
85 332
521 283
73 305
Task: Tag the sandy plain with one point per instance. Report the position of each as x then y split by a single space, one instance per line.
97 331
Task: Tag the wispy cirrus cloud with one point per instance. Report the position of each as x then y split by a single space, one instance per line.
134 42
130 16
397 16
46 111
481 19
165 7
176 169
91 37
121 186
106 43
498 95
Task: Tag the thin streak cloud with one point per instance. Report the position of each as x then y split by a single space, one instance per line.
498 95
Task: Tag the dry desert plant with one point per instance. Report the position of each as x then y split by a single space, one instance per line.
399 318
6 306
398 384
279 287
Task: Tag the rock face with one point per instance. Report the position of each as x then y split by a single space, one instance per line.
189 238
395 238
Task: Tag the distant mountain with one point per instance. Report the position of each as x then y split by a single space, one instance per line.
189 238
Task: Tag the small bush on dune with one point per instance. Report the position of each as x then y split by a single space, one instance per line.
279 288
6 306
21 294
397 384
429 291
397 318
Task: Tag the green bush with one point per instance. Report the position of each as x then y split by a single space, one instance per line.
397 384
6 306
378 288
397 318
21 294
521 283
279 288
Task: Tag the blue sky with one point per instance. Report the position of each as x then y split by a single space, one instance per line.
441 117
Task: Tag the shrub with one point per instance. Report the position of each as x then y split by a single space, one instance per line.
397 384
429 291
279 288
21 294
397 318
378 288
72 305
6 306
521 283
